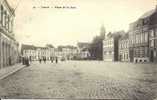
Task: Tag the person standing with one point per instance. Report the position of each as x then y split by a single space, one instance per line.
22 60
27 62
56 60
40 60
44 59
9 61
51 58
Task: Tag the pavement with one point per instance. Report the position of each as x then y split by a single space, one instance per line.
82 80
5 72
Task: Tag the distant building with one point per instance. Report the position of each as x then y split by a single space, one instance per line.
9 53
66 52
110 46
83 50
28 51
123 51
35 53
42 52
85 54
143 38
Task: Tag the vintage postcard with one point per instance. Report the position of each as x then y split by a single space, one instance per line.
78 49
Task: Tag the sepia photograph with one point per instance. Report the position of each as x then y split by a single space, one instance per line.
78 49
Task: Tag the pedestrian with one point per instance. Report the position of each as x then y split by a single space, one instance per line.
23 60
27 62
9 61
51 59
30 58
56 60
44 59
40 60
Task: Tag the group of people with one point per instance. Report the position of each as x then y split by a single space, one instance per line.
52 59
26 61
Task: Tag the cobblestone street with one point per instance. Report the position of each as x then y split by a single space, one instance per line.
82 80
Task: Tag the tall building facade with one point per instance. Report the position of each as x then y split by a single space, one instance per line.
110 46
83 50
153 36
142 36
35 53
66 52
123 51
28 51
8 45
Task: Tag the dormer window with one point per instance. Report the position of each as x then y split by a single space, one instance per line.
145 21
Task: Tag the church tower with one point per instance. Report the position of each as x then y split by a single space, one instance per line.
103 32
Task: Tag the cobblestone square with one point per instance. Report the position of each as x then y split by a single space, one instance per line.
82 80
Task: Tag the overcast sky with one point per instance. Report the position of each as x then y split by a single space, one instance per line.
69 26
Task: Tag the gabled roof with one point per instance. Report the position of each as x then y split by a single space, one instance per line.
125 36
115 34
148 14
83 44
85 49
28 47
41 47
10 8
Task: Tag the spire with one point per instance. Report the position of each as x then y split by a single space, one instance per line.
103 31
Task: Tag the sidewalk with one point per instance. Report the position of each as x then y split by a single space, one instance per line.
4 72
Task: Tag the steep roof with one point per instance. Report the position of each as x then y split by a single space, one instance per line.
125 36
148 14
27 47
10 8
83 44
41 47
115 34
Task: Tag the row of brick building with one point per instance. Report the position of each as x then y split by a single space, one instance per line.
68 52
139 44
35 53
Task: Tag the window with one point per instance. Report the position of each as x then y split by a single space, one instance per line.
127 56
143 40
136 41
110 52
104 52
141 35
152 43
146 37
5 21
155 54
156 32
1 14
155 42
139 38
8 23
151 33
4 18
146 51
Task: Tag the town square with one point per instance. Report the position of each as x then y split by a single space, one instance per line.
85 50
82 80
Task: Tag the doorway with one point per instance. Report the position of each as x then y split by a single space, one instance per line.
152 56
